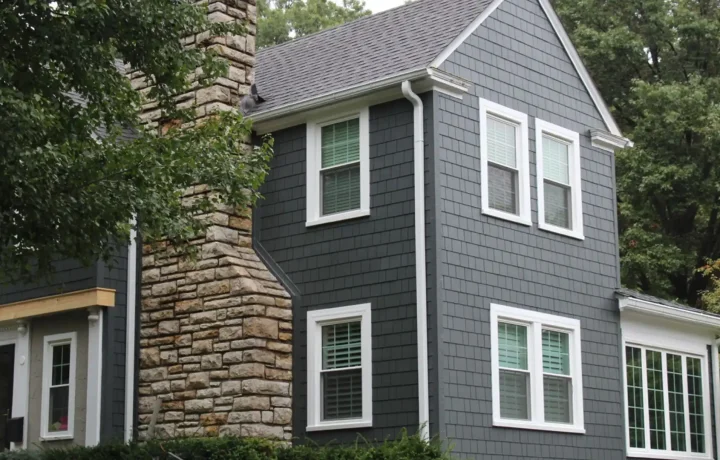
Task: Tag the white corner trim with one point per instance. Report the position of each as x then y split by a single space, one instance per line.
608 141
420 269
130 325
314 165
21 377
535 323
316 319
460 39
48 342
575 173
93 402
667 312
522 161
580 68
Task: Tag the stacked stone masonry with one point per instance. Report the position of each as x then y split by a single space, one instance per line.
216 328
215 340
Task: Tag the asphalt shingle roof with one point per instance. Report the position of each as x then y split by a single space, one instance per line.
402 39
624 292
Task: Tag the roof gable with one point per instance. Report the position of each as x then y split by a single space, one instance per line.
396 41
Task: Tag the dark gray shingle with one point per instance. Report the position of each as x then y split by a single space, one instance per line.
395 41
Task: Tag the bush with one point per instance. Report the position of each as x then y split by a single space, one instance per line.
405 448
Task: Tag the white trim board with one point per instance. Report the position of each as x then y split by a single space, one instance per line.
93 403
567 45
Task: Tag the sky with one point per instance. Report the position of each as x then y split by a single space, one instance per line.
380 5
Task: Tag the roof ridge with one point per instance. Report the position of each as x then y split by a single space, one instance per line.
412 3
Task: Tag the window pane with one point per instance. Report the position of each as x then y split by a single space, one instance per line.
676 400
514 398
58 409
502 189
341 190
636 417
502 142
655 399
341 143
557 205
61 365
342 395
695 401
557 391
556 352
512 346
341 345
556 165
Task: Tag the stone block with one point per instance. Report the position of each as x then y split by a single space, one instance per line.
245 417
261 431
247 370
265 387
244 403
213 288
198 406
260 327
169 327
213 361
231 388
202 346
282 416
163 289
198 380
230 333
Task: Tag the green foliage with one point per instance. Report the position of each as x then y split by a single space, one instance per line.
710 298
405 448
657 64
280 21
65 190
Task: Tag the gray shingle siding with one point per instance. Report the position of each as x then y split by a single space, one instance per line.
70 275
352 262
516 60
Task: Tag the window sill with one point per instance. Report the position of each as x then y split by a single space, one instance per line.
340 425
667 455
523 425
561 231
338 217
58 437
505 216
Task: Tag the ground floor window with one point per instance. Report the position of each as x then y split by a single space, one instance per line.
667 401
339 368
58 398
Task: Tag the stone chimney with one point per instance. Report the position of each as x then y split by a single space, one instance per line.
216 331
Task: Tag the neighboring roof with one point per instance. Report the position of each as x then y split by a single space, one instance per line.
395 41
624 292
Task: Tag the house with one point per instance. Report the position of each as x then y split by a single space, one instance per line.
436 250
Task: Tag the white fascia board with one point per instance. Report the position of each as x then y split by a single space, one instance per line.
366 94
672 313
608 141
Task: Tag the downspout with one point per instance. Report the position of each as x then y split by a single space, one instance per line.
420 269
716 389
132 279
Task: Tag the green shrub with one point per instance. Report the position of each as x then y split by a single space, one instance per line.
405 448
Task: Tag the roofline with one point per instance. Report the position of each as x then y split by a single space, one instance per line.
431 79
697 318
567 45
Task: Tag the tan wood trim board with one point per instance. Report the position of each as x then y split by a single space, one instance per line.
101 297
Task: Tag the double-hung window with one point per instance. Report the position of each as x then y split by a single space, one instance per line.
339 368
58 396
559 180
338 168
536 370
505 162
667 403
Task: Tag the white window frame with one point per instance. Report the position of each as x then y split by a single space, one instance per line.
314 167
315 321
572 138
675 349
535 323
49 342
522 160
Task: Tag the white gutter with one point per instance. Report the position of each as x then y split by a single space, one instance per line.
420 274
130 333
716 388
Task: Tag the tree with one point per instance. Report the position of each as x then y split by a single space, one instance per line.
657 64
69 185
280 21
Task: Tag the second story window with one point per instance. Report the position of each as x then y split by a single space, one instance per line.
559 180
505 165
338 173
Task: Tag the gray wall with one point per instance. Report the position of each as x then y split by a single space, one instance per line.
70 275
39 328
516 60
352 262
